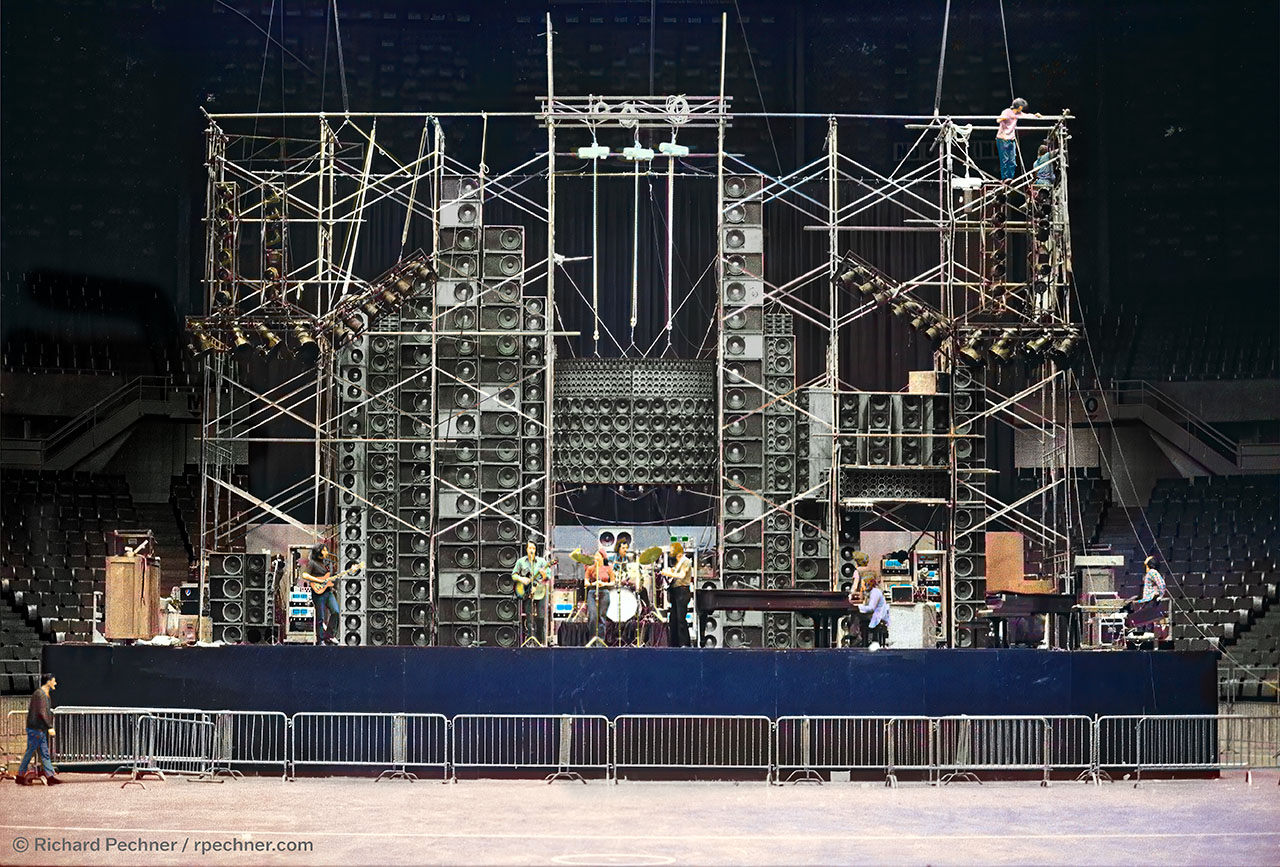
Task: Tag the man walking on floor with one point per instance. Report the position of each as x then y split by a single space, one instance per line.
39 730
1007 139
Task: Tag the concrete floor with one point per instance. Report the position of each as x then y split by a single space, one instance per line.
357 821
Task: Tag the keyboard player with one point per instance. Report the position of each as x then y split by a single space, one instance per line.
877 606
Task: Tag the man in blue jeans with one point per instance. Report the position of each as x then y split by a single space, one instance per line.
1007 139
324 598
39 730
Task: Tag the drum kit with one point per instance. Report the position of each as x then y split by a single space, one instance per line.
631 594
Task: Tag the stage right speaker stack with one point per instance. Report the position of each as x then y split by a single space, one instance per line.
968 583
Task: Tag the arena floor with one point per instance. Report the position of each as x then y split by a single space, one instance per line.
357 821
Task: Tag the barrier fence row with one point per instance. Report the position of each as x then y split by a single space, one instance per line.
212 744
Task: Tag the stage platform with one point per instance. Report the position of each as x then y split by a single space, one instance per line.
613 681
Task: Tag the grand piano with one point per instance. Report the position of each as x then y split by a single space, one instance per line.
824 607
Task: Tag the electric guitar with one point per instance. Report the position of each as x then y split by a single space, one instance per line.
321 583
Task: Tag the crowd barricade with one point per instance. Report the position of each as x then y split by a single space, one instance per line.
564 745
106 736
965 745
693 742
173 744
806 745
421 742
206 744
14 742
250 740
1071 746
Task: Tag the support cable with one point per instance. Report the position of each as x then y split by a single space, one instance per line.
942 55
342 66
759 92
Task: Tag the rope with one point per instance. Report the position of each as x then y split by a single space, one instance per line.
595 254
342 65
760 93
1008 61
942 57
635 246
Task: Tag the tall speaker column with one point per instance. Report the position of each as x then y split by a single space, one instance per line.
967 583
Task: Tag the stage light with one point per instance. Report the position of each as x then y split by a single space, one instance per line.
637 153
241 348
370 308
1065 348
672 149
1005 345
307 350
593 152
201 343
340 334
423 276
270 342
1039 342
971 351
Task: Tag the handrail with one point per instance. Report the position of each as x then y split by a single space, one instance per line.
139 388
1149 395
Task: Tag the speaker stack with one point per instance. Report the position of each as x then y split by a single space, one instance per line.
995 238
635 421
968 583
892 446
259 601
226 584
357 414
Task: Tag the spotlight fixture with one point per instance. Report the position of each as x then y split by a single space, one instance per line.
423 276
340 334
370 308
1064 348
241 348
971 351
270 342
306 348
352 320
1040 342
201 343
1005 345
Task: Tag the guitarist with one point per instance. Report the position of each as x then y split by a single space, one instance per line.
528 574
319 567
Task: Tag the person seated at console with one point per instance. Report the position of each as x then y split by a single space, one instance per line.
877 606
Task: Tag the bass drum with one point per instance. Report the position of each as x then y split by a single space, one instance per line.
623 605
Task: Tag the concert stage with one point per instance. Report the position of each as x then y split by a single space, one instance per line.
613 681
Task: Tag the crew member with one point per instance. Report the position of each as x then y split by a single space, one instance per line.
325 601
1043 167
878 607
39 730
528 571
1007 139
1153 586
680 578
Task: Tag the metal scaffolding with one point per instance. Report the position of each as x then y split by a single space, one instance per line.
340 191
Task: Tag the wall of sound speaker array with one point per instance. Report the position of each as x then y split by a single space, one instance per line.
356 405
968 585
226 588
635 421
888 429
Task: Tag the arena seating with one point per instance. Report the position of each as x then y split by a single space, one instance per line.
1218 536
1094 497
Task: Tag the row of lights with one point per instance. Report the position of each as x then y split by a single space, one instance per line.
247 339
863 279
1002 346
385 295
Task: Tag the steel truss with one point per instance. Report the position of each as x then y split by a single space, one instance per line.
327 184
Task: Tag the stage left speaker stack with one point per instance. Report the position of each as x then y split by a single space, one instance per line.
355 405
226 577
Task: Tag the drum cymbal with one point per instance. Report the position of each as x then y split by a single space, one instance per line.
584 559
649 556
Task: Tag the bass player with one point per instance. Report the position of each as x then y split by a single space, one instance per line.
324 596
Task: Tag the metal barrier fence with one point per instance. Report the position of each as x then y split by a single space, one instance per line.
250 741
939 749
693 742
393 742
565 744
173 745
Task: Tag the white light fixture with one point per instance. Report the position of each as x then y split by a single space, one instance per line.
593 152
637 153
672 149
